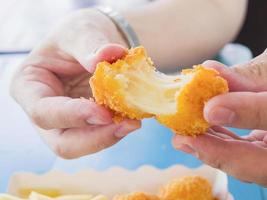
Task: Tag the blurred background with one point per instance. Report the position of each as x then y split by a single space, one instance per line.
23 23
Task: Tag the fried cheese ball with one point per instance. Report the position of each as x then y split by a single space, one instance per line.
187 188
133 88
136 196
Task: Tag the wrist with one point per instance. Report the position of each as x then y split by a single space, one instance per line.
95 25
109 29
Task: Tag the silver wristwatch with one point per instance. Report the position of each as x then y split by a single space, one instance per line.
121 23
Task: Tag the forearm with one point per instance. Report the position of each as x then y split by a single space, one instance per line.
185 32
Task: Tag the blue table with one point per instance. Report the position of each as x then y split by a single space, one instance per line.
24 151
151 145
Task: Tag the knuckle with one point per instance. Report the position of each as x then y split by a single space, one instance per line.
75 119
258 65
260 114
256 68
214 162
103 144
217 163
98 146
38 119
63 152
84 111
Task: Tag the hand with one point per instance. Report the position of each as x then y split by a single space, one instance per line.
49 83
243 107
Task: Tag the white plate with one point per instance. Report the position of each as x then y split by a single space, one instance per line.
117 180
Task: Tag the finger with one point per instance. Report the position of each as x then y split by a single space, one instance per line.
45 58
109 53
254 71
248 76
77 142
41 95
238 109
236 81
225 133
187 149
237 158
265 139
218 134
65 112
87 39
260 144
256 135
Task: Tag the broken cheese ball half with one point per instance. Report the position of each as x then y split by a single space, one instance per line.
133 88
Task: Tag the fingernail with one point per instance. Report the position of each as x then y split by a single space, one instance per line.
207 62
99 121
126 128
187 149
221 116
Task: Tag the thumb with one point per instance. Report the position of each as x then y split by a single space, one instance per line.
108 52
235 157
238 109
249 76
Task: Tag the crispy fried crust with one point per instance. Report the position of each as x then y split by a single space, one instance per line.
108 90
189 118
187 188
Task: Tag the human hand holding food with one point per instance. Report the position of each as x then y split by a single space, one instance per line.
132 88
243 107
60 62
49 83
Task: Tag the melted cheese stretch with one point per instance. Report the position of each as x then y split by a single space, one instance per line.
132 88
151 91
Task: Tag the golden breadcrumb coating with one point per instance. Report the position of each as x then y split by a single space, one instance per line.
132 88
187 188
135 196
189 119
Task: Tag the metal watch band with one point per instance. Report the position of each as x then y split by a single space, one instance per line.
121 23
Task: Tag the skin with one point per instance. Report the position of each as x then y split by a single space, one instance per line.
49 83
243 107
186 32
